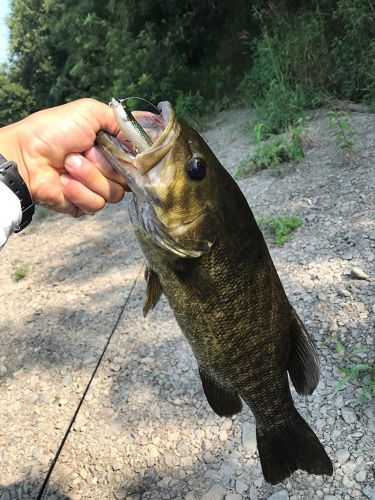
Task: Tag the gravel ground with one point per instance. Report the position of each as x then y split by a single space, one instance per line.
145 429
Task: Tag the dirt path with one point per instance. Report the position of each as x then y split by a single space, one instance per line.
145 429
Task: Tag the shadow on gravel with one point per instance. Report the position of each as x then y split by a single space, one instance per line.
29 490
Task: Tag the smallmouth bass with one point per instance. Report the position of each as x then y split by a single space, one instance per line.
205 252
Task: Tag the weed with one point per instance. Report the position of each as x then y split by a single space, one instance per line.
281 226
273 153
342 131
357 372
20 272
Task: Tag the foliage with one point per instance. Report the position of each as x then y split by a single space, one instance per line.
158 50
357 372
15 100
273 153
20 271
289 55
342 131
305 55
281 226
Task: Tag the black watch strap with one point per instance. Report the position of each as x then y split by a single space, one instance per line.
10 176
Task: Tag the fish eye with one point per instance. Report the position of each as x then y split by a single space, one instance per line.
196 168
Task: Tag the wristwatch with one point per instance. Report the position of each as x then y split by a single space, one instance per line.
10 176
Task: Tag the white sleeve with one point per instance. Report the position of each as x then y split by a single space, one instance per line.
10 213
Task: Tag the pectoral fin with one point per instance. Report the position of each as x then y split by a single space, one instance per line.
303 364
224 402
153 291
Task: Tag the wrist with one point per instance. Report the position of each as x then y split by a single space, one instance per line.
11 149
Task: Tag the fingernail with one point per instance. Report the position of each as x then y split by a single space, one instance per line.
64 179
73 161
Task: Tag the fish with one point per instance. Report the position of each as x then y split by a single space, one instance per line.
205 252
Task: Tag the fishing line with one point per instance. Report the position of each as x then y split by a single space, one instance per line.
141 99
67 432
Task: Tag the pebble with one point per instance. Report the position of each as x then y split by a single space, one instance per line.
249 441
233 496
342 456
279 495
349 415
217 492
241 487
360 476
358 274
369 492
209 458
253 493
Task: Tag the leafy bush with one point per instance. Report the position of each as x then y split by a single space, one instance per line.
281 226
306 55
15 101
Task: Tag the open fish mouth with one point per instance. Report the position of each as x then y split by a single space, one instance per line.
143 141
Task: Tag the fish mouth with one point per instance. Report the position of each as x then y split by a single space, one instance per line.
124 156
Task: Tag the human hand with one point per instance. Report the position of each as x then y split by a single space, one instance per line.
56 156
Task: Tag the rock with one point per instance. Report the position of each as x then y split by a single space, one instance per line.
253 493
342 456
116 466
339 403
369 492
209 458
233 496
331 497
360 476
349 415
241 487
217 492
186 462
5 495
249 440
358 274
279 495
223 435
190 496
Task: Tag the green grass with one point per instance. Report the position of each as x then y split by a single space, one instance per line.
280 226
20 272
273 153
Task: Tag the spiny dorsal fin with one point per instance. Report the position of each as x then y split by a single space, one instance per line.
303 364
153 291
223 401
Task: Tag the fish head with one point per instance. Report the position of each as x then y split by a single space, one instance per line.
177 182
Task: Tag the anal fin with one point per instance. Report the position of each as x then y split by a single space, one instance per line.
223 401
303 364
153 291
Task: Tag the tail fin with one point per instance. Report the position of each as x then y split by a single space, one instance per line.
294 447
